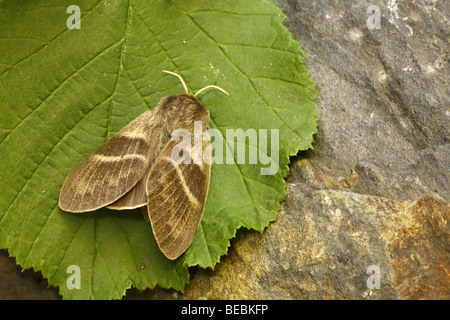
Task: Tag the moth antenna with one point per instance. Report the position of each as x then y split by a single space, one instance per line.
209 87
179 77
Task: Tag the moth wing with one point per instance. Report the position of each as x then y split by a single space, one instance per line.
113 169
135 198
176 196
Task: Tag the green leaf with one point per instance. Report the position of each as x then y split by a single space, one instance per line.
64 92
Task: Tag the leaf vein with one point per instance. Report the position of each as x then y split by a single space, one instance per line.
45 45
57 88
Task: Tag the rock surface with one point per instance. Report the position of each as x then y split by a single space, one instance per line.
373 194
367 211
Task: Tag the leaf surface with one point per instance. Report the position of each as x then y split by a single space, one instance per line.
64 92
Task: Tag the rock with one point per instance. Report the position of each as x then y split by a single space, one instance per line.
18 284
370 202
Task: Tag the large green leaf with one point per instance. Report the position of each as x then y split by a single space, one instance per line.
64 92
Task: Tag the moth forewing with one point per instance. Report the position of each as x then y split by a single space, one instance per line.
113 169
177 190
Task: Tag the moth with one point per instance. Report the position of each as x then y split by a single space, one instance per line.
136 169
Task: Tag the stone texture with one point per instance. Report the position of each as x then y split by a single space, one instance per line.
18 284
374 191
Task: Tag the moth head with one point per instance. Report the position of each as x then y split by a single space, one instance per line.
199 91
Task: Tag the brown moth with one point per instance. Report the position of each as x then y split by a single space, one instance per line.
136 168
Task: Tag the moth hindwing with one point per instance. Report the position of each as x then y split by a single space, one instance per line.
136 168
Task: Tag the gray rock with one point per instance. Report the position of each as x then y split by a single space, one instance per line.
370 202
